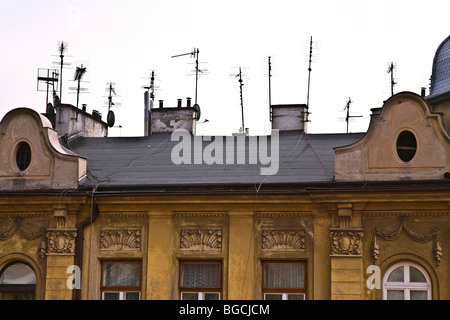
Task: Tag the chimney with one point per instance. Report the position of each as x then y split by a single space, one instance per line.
289 117
166 120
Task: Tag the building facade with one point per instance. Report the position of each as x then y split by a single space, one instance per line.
173 215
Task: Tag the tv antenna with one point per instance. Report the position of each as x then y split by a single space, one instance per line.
391 69
48 77
79 73
270 92
194 54
348 117
110 117
309 78
241 84
62 47
151 87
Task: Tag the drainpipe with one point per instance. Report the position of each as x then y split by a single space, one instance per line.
76 295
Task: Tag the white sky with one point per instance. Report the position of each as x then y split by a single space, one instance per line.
122 41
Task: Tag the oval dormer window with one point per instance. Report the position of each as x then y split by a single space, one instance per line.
406 146
23 156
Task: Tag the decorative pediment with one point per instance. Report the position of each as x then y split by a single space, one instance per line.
405 141
31 156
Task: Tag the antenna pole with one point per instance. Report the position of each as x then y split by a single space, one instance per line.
309 78
270 93
241 84
61 55
196 52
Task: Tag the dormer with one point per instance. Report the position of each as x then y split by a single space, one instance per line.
404 141
31 157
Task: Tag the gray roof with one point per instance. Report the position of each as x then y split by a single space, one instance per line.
440 77
137 162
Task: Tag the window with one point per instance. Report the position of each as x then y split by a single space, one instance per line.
121 280
23 155
200 280
406 146
406 281
284 280
17 282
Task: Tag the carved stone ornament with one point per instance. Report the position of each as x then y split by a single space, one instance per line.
201 239
61 242
283 239
346 241
433 235
120 240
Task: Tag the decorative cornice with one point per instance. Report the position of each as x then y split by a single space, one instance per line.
189 214
421 238
283 239
201 239
121 239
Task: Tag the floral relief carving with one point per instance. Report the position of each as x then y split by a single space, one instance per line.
283 239
346 241
60 242
123 239
201 239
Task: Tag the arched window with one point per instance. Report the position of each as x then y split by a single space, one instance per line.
406 281
17 282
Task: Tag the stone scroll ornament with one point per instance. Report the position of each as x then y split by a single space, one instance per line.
433 235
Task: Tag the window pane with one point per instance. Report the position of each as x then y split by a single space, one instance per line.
273 296
418 295
283 275
415 275
296 297
18 273
189 296
200 275
396 275
121 274
395 295
211 296
111 296
132 296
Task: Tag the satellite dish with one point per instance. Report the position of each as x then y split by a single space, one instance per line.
197 111
111 118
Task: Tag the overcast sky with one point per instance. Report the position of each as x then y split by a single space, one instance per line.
354 42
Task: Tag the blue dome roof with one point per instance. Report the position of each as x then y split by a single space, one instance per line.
440 77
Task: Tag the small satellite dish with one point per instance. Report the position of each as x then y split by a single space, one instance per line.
197 111
111 118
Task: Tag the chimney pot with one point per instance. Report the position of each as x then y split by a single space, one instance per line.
188 102
179 103
161 103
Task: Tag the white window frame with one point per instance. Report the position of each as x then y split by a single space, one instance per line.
200 295
285 296
122 294
406 286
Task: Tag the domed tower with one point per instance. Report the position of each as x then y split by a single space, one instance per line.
439 97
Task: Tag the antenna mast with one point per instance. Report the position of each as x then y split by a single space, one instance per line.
194 53
309 77
61 47
270 93
241 84
79 73
347 118
391 71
